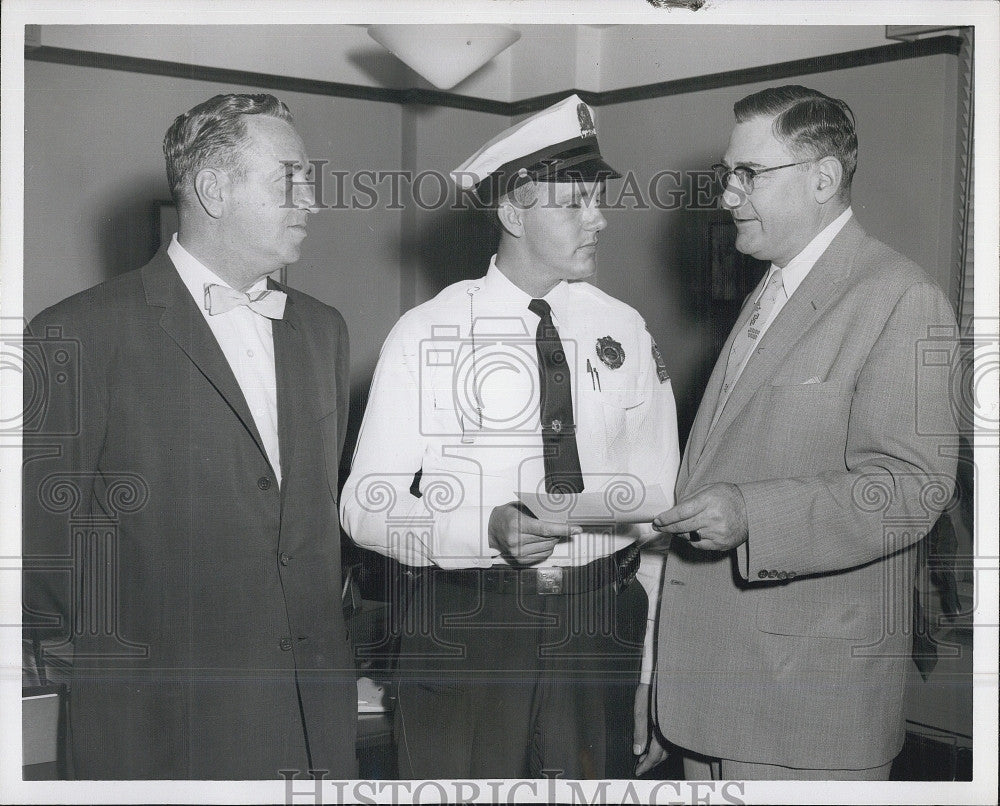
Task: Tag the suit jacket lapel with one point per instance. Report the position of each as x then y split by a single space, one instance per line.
186 325
293 382
709 400
304 391
805 306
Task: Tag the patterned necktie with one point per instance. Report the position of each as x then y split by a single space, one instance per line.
222 298
746 339
562 460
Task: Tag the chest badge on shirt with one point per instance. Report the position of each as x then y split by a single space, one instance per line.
611 352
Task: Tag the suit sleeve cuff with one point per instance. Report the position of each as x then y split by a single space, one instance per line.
754 562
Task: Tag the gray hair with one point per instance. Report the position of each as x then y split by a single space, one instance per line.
214 133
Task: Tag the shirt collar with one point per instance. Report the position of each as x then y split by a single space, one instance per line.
500 287
799 266
196 275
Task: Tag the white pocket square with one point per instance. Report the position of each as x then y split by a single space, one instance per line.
813 379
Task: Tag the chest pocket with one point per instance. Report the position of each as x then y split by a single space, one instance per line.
621 410
440 407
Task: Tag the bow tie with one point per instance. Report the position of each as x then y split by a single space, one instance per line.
220 299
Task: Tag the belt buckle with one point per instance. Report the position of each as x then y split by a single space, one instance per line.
550 580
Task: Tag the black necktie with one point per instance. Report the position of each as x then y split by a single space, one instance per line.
562 461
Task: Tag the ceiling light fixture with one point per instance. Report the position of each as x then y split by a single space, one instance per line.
444 54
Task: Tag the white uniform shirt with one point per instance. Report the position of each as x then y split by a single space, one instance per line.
795 272
423 414
246 341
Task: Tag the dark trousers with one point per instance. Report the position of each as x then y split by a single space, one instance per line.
515 685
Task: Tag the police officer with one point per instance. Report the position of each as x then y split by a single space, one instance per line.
524 628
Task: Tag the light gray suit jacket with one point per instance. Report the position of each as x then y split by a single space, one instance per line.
792 649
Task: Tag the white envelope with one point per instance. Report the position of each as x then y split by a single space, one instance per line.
620 504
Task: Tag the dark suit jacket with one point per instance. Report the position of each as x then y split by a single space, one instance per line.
202 601
792 649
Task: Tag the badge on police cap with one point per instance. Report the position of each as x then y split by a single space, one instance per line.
586 121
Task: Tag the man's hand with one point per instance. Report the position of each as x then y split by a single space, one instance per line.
645 743
523 539
714 518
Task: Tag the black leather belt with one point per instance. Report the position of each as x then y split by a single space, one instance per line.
616 569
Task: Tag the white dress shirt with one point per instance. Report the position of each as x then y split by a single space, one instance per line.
795 272
246 341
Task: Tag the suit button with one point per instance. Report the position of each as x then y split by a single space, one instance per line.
782 575
264 483
762 574
772 574
284 559
285 644
791 575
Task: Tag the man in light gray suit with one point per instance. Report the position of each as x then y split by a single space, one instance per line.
817 460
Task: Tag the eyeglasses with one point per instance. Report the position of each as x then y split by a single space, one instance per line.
745 176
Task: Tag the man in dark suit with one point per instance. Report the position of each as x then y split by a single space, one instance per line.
180 481
822 452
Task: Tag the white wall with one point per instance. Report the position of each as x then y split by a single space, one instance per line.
547 58
646 54
445 244
343 53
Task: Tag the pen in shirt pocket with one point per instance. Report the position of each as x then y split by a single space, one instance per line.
595 377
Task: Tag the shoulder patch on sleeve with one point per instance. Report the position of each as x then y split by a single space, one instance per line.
661 367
